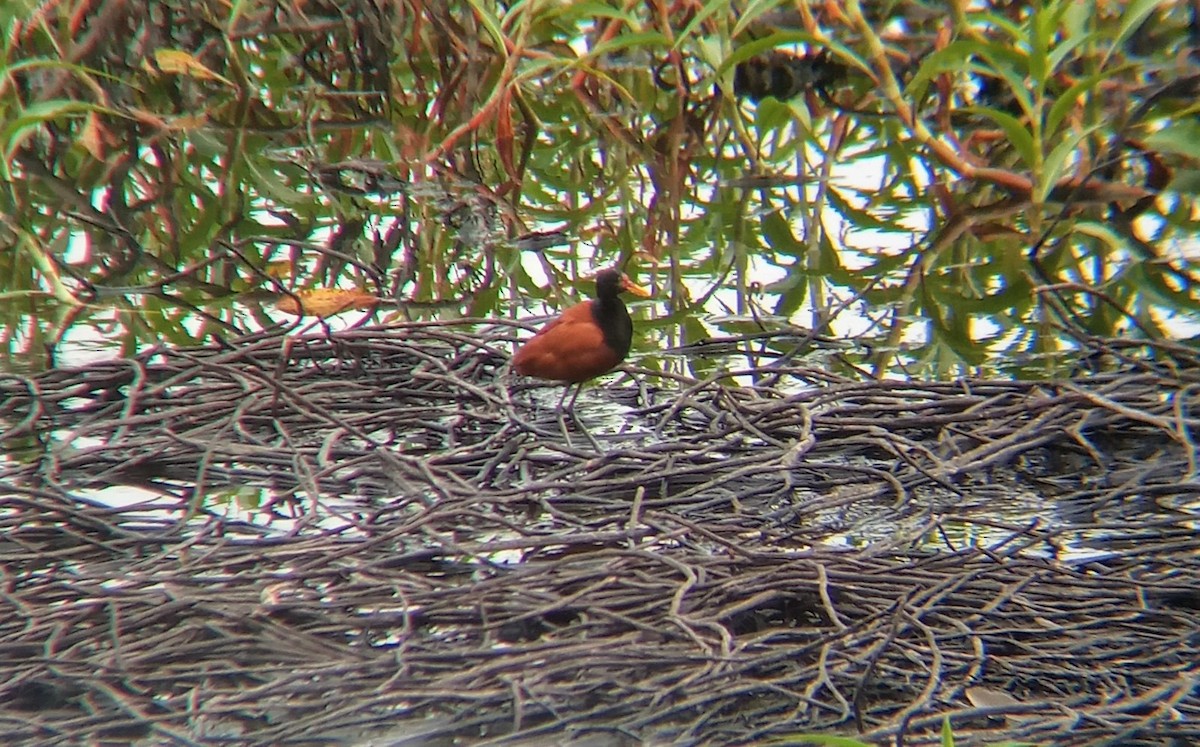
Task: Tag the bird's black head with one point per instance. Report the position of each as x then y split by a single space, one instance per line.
612 282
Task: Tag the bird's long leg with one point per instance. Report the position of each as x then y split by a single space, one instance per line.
561 414
579 421
563 398
578 389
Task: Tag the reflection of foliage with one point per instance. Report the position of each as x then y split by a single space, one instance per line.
1033 171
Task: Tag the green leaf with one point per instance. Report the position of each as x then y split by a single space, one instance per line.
1076 18
271 185
1066 101
1055 162
1018 135
778 233
1102 232
954 57
1180 137
1002 23
947 733
644 40
1153 280
589 10
705 13
751 49
787 38
829 259
772 114
35 116
1041 30
752 12
1013 67
798 108
1185 182
1015 297
1065 47
1132 17
791 299
859 218
702 366
490 22
823 740
237 9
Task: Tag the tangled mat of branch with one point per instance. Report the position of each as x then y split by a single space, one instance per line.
382 537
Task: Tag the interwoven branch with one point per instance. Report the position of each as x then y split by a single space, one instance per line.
381 534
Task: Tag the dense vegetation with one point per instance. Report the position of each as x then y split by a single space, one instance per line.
979 188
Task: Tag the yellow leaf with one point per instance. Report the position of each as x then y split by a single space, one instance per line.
188 122
179 62
283 268
94 137
178 124
325 302
149 119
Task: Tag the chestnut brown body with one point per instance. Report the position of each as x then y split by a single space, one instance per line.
585 341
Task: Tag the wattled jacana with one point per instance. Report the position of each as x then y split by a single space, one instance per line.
585 341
